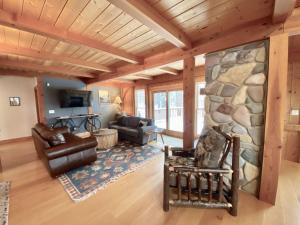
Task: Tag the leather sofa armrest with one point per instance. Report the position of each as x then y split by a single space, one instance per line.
143 130
71 147
62 130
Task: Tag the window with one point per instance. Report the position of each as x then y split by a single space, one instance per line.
175 100
168 110
200 111
140 103
160 109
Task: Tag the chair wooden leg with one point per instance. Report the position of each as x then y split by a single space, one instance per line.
166 189
235 176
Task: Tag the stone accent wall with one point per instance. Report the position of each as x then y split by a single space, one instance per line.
235 98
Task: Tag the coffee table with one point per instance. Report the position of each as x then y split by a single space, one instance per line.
106 138
157 131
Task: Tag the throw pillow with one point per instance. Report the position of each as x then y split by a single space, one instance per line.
56 139
143 123
209 149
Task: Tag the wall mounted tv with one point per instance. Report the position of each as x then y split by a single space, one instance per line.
75 98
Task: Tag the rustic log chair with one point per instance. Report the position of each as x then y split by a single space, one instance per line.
213 192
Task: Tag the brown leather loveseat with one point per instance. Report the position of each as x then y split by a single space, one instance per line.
62 157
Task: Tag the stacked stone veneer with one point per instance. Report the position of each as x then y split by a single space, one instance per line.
235 98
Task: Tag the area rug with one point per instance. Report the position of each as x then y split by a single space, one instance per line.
4 202
110 165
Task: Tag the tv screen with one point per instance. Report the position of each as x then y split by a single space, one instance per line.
75 98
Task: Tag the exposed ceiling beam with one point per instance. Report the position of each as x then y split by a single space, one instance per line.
147 15
29 24
28 52
10 72
20 73
40 68
245 33
169 70
282 10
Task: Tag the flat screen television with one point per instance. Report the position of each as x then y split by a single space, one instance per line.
75 98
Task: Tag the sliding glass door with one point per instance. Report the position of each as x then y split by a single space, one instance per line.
160 109
175 110
168 110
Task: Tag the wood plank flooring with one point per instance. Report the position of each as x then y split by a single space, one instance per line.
135 199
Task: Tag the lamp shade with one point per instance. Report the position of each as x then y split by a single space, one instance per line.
118 100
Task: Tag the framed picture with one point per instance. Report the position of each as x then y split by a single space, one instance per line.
14 101
104 96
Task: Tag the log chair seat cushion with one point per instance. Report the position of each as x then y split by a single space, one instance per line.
209 149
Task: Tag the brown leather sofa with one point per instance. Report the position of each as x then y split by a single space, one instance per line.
75 152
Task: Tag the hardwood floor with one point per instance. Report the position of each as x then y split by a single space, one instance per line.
135 199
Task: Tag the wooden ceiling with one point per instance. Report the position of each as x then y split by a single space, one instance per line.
97 38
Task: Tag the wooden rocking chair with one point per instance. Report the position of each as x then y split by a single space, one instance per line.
201 187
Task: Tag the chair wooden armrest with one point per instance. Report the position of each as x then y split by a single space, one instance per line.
177 151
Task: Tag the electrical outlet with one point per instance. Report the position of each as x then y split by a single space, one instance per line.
51 111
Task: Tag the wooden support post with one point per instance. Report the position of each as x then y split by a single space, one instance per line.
40 100
275 115
188 103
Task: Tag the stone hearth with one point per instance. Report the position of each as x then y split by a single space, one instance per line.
235 98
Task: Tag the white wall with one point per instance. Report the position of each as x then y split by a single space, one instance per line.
17 121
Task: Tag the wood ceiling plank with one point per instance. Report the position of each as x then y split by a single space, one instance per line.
141 39
169 70
11 36
240 35
215 13
71 11
52 10
147 44
35 26
163 6
181 7
114 26
49 45
203 7
38 67
12 5
141 30
282 10
88 15
33 9
38 42
236 16
146 14
25 52
103 20
125 31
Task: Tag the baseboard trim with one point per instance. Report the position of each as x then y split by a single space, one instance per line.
13 140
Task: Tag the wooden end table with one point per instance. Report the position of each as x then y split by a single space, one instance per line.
106 138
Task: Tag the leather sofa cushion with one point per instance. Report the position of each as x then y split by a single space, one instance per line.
128 131
71 147
133 122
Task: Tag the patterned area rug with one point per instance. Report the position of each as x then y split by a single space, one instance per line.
4 202
110 165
